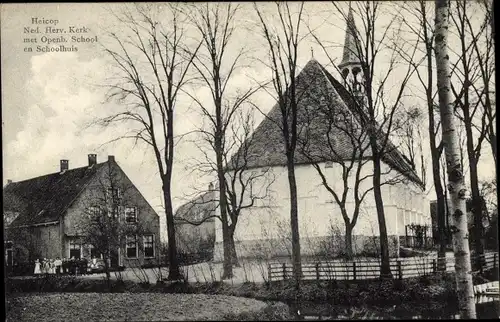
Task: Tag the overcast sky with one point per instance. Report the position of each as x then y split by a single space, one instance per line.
47 99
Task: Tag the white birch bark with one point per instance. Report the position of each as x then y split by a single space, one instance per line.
456 186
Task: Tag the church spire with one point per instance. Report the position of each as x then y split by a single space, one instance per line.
351 42
350 67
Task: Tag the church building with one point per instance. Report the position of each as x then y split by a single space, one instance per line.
263 230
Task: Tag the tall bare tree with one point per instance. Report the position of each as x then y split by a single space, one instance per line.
152 64
456 185
282 43
378 105
245 187
474 72
216 24
421 11
340 124
345 146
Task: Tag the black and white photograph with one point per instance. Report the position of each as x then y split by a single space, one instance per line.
262 161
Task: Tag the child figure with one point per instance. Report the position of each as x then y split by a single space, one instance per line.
37 267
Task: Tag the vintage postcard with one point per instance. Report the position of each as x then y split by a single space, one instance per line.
233 161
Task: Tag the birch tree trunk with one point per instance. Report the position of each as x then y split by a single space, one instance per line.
456 187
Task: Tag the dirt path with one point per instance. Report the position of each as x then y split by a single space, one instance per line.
125 307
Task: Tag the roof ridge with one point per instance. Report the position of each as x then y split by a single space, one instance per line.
50 174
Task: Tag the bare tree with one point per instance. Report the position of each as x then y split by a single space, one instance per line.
344 143
216 24
244 187
456 185
152 63
282 43
378 106
474 74
425 76
486 63
411 134
103 225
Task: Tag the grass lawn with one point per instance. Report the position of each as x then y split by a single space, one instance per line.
126 307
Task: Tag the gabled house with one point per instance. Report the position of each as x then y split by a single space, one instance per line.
44 217
195 227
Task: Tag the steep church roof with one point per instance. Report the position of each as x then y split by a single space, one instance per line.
318 93
44 199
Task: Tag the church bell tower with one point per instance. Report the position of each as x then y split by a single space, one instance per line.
350 67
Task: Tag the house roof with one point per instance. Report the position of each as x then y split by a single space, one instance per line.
44 199
318 92
197 209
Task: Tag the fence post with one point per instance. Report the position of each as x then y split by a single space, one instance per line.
284 271
269 272
354 270
400 271
317 271
434 266
494 260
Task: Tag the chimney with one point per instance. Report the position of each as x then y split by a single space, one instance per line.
111 158
64 165
92 160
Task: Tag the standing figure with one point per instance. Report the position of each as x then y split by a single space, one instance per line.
58 264
37 267
52 266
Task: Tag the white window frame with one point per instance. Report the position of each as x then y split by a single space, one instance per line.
144 245
7 250
136 247
135 211
109 193
94 211
71 242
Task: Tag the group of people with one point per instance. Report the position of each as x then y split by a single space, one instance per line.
58 266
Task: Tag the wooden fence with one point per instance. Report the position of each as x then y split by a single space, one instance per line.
369 269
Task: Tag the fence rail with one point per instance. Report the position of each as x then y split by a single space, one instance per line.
370 269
